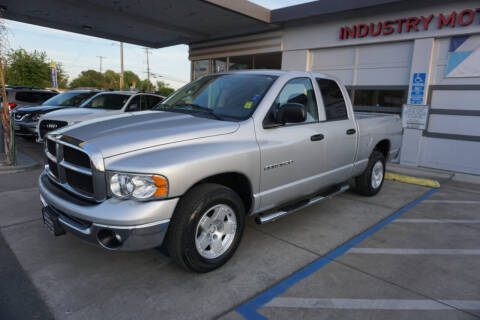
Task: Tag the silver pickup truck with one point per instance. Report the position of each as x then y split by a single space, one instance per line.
228 145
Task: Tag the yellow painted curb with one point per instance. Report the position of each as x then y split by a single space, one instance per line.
412 180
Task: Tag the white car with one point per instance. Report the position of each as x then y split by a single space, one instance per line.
101 105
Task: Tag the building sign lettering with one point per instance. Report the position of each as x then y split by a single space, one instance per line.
412 24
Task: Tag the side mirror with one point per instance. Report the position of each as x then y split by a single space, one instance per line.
291 113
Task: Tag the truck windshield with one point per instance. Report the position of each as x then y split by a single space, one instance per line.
68 99
110 101
225 96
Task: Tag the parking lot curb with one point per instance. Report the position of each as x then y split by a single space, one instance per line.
412 180
24 163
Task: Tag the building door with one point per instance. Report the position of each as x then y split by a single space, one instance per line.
452 138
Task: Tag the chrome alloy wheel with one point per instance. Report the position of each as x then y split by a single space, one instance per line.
377 174
215 232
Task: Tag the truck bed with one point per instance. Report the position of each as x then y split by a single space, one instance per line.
372 126
363 115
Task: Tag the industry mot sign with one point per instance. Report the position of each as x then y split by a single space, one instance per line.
412 24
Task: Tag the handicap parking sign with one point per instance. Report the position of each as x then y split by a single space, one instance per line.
417 93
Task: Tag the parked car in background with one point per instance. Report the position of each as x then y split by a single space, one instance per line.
25 96
26 118
264 142
103 104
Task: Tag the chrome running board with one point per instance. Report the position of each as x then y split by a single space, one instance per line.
262 219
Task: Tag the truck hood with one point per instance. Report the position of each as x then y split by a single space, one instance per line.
73 115
133 131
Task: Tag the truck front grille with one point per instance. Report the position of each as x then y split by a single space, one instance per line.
71 167
51 146
49 125
79 181
76 157
53 167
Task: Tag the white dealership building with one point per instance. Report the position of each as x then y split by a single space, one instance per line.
389 54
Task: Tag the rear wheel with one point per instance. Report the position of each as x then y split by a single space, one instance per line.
370 181
206 228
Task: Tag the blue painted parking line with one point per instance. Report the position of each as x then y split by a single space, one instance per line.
249 309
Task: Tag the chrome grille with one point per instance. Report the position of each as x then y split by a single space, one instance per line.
49 125
76 166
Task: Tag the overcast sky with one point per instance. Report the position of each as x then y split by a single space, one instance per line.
78 52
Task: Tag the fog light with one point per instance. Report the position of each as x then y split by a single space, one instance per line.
109 239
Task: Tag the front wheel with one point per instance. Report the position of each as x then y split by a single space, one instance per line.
370 181
206 228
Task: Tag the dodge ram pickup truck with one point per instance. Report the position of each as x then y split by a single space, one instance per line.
228 145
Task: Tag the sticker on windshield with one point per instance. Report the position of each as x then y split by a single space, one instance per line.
248 104
255 97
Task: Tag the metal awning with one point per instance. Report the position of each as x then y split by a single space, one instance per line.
151 23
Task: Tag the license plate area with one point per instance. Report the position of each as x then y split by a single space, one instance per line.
50 220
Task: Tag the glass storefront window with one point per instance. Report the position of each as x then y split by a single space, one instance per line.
241 63
200 68
380 98
219 65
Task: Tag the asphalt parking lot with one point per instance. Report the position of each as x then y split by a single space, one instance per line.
409 252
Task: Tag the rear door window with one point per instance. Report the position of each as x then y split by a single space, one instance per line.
333 100
33 97
152 101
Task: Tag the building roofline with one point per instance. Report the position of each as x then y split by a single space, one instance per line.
318 8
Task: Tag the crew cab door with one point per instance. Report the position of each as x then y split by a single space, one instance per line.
340 132
291 154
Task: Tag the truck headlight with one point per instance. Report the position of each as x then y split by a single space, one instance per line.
138 186
37 117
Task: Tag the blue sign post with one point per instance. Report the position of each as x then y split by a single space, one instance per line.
417 95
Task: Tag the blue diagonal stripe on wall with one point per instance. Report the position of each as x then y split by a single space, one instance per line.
455 59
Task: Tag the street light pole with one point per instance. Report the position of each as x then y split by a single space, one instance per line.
121 67
148 69
101 58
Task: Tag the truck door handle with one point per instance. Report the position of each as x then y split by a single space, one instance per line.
317 137
351 131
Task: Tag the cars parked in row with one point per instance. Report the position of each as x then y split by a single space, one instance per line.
264 143
27 117
26 96
101 105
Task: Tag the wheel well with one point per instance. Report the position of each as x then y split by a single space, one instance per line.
384 147
235 181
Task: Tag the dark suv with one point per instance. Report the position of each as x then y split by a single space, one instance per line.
25 96
26 118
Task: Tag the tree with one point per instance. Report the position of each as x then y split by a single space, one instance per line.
163 89
89 79
32 69
131 78
6 134
111 80
145 85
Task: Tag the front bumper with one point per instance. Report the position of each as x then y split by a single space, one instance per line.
136 225
25 128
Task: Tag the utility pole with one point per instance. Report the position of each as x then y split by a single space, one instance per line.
121 66
101 58
148 68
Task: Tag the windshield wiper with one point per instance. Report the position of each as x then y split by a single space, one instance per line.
199 108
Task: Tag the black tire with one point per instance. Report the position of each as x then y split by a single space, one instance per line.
181 234
363 183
